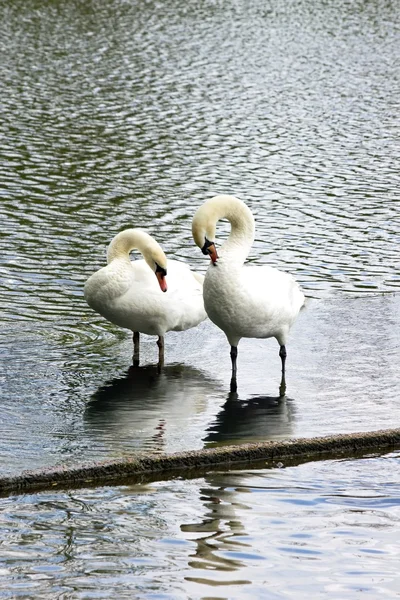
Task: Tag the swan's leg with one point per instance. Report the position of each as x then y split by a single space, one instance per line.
234 352
282 354
136 346
160 344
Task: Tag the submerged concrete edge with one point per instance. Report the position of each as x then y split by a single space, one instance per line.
162 466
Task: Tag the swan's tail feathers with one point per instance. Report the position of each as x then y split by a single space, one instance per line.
300 298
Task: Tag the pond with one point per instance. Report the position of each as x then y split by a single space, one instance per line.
130 114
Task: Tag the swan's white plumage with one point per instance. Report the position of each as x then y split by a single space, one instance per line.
127 292
244 301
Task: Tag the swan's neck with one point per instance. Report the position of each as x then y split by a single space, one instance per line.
241 237
136 239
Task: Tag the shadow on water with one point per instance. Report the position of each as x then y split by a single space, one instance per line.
259 418
150 409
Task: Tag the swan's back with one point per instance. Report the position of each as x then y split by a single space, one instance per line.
127 294
250 301
276 290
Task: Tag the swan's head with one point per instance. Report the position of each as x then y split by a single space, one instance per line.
157 261
137 239
203 231
161 273
223 207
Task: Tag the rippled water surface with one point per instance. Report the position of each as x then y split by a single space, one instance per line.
121 113
320 530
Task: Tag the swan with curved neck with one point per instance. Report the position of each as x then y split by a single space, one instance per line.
243 301
135 295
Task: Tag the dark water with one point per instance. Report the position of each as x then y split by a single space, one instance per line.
123 113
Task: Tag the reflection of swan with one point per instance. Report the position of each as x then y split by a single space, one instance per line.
257 419
126 293
216 532
254 302
147 409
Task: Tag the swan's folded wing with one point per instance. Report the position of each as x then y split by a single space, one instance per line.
272 285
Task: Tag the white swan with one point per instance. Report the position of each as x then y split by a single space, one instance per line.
128 294
253 302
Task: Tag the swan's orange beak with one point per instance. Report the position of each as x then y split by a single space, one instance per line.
162 282
210 249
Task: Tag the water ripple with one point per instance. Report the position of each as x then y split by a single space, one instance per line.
105 129
335 524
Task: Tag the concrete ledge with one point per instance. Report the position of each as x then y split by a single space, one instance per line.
150 467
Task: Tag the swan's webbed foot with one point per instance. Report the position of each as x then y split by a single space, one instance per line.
160 344
136 348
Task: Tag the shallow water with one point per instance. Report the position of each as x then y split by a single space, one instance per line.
125 114
62 407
